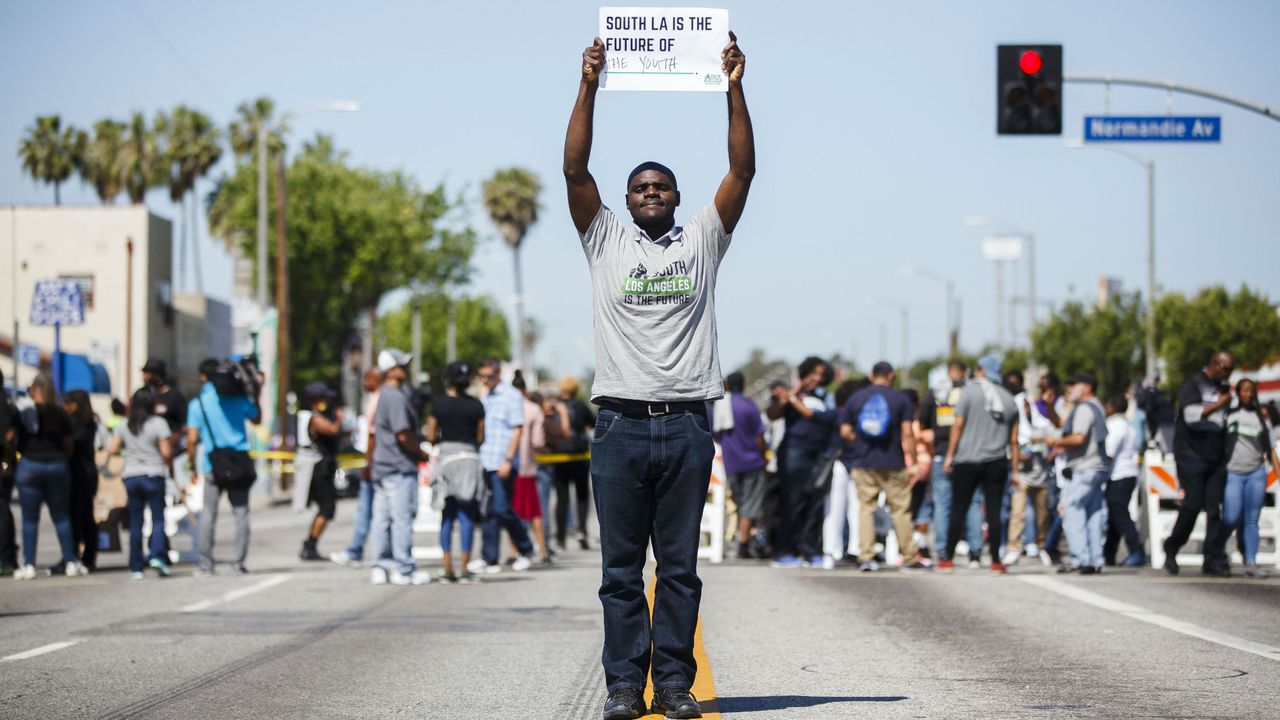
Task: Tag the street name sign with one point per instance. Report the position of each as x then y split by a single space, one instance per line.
664 48
1183 128
57 302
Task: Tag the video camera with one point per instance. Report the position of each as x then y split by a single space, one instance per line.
240 377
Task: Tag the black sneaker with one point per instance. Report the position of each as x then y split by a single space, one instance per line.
1216 570
675 703
309 551
744 551
624 704
1170 561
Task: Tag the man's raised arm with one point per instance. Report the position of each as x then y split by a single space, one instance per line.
731 198
584 196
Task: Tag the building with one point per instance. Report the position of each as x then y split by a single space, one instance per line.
122 258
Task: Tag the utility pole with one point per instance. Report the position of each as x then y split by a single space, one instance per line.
282 304
1151 271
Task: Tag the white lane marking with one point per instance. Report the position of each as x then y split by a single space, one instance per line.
51 647
235 594
1140 613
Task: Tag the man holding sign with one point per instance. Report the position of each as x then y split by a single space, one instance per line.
657 366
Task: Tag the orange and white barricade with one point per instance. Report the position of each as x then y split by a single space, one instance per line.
1161 496
711 533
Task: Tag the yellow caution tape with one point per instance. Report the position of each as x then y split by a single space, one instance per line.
557 458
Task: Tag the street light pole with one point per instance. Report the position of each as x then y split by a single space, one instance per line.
262 217
1150 167
1029 242
953 312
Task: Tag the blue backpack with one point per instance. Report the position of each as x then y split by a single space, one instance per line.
873 417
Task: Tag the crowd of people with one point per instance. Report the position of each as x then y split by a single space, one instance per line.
822 477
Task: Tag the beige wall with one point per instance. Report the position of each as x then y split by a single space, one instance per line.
42 242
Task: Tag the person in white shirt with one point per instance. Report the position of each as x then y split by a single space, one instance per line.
1122 448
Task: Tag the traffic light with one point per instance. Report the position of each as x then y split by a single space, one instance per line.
1028 89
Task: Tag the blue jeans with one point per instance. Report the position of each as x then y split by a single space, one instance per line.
1084 516
46 483
145 491
546 478
395 499
467 514
941 489
650 477
498 515
1241 507
364 516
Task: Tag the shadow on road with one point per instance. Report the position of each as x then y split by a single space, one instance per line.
786 702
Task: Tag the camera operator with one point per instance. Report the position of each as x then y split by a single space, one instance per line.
216 436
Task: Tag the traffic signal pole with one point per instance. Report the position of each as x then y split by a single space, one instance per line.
1265 110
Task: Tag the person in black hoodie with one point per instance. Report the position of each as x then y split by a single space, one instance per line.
810 421
45 443
1199 445
8 463
84 478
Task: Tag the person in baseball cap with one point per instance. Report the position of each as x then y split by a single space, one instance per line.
325 432
392 358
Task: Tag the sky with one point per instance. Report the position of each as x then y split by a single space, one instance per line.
874 125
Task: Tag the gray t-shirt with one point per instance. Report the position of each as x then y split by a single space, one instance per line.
142 451
394 415
1247 441
1085 421
655 311
985 436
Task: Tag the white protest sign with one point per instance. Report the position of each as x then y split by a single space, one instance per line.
664 48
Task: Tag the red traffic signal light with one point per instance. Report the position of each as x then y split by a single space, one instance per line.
1030 62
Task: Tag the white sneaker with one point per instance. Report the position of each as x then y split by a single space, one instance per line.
379 576
137 575
828 562
343 559
1011 557
75 569
480 567
521 564
1031 550
975 564
417 577
962 549
26 572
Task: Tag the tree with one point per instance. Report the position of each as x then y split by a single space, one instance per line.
1105 341
100 160
252 119
190 145
482 330
48 152
1189 329
511 197
141 162
354 234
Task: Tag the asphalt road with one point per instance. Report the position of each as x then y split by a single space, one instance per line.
316 640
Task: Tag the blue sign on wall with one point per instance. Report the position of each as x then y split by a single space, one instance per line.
1119 128
57 302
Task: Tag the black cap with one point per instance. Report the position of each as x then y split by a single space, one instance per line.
1087 378
457 372
318 390
156 366
881 369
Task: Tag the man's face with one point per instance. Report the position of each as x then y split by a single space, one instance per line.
488 376
956 374
1076 391
150 378
1222 365
372 381
652 199
398 375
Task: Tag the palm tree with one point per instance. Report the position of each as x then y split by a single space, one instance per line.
252 118
101 159
511 197
48 152
141 162
190 146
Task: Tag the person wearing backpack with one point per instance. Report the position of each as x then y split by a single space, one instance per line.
984 436
880 451
1084 510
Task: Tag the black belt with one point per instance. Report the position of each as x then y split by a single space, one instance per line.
642 409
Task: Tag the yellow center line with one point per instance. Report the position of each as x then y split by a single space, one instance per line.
704 682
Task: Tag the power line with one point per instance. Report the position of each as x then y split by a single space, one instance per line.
176 55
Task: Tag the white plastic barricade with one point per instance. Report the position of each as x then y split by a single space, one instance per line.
1161 495
711 535
427 519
